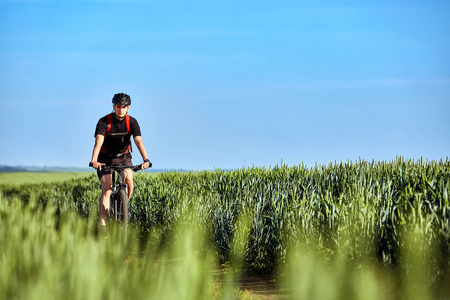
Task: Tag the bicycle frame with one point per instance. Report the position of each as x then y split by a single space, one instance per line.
118 184
118 208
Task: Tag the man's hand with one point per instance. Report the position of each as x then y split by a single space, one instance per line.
147 164
96 165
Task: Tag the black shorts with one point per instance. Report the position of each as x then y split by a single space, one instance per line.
124 160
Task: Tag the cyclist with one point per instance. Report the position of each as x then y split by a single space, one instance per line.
113 146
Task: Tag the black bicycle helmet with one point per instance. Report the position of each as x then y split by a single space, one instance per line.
121 99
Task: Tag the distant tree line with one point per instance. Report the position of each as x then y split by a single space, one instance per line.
9 169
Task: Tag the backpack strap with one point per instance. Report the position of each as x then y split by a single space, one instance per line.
127 119
108 124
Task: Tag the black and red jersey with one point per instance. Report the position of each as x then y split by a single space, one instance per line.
117 133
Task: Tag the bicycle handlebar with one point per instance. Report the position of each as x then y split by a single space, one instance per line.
120 167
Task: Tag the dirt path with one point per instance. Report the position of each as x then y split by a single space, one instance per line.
253 287
263 287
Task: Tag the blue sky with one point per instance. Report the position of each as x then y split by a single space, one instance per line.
227 84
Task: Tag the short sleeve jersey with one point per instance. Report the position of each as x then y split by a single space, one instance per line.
115 144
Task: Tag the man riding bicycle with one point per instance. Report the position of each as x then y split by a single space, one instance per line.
113 146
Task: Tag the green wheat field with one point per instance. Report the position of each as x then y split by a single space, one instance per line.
39 177
350 230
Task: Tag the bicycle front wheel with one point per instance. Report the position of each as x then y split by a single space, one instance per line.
123 207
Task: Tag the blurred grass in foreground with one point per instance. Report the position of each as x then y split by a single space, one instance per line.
309 275
43 256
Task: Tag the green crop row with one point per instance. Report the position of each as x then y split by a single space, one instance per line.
374 201
363 209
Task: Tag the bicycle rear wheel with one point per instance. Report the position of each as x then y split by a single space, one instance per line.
123 207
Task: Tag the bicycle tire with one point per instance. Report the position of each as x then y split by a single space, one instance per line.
123 206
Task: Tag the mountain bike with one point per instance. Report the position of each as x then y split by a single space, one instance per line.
118 207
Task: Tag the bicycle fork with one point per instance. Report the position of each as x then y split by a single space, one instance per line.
115 205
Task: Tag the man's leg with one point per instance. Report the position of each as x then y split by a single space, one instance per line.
106 181
128 173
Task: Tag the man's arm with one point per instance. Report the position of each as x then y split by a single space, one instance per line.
97 146
140 145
